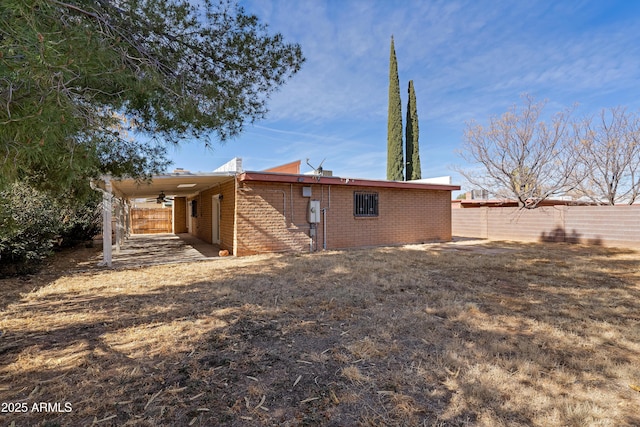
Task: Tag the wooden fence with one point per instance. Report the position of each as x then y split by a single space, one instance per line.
151 221
616 226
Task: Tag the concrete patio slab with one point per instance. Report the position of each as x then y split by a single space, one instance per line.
156 249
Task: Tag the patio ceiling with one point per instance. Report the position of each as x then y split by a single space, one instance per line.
172 185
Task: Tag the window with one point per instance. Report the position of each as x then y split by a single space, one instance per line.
194 208
365 204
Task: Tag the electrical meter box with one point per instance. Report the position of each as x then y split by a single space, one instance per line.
314 211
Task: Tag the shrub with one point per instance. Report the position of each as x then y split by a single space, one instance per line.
81 222
33 223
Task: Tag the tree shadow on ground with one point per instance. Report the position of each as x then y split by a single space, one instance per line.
65 261
559 234
497 333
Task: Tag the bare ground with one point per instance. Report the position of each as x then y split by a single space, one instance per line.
470 333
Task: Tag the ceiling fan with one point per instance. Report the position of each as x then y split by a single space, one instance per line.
162 198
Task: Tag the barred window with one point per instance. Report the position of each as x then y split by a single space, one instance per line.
365 204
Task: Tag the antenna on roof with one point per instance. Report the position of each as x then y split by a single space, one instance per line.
316 170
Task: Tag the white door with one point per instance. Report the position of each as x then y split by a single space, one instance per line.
215 219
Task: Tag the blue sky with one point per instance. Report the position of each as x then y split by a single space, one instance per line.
469 60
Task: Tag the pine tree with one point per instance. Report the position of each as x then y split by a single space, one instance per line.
395 158
412 134
178 70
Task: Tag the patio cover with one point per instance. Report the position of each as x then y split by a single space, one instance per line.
178 184
120 191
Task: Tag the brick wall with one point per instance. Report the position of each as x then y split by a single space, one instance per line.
405 216
605 225
180 215
202 223
269 219
273 217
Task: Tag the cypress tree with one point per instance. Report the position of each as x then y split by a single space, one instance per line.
395 158
412 134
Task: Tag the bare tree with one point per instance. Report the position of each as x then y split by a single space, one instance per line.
609 155
521 156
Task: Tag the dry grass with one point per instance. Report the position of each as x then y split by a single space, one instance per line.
459 334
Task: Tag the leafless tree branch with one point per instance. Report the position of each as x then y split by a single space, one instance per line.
521 156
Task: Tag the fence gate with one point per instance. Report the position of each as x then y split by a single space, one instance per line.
150 221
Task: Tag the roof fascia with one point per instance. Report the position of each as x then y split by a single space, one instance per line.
250 176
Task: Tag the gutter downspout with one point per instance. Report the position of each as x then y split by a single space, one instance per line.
236 196
324 218
324 230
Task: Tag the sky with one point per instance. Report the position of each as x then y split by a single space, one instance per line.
469 60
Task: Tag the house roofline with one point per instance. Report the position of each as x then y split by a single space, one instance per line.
168 183
250 176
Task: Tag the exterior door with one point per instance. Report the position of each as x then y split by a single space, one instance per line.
190 219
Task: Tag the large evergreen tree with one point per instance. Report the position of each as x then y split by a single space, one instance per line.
395 158
412 133
175 69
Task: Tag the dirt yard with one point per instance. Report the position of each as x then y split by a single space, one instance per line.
463 334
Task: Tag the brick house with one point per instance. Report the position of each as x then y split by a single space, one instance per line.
258 212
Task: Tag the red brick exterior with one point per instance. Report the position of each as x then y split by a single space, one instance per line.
268 219
202 222
405 216
272 217
180 215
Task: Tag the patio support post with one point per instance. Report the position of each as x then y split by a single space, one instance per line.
106 223
119 224
127 219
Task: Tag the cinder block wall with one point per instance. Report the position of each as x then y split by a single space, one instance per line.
604 225
273 218
465 223
529 224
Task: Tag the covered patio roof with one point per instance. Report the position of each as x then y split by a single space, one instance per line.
178 184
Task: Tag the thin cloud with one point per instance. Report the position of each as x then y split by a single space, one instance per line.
468 59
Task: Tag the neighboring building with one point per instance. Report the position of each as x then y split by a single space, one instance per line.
258 212
477 199
499 203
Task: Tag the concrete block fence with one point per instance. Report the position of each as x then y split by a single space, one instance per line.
615 226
